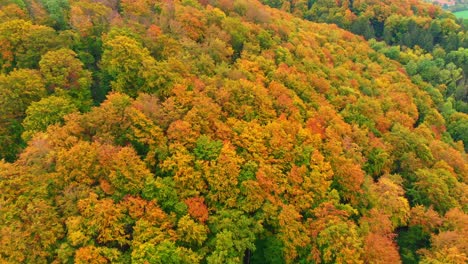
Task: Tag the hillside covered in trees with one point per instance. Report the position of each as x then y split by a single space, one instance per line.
220 131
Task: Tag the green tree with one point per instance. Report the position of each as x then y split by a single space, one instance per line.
235 233
129 66
436 187
47 111
162 253
340 243
58 12
17 91
23 44
458 127
207 149
64 74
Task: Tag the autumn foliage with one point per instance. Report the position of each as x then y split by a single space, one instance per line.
150 131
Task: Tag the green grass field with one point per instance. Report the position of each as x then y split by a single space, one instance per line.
461 14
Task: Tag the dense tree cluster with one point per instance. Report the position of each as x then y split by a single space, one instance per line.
431 44
213 131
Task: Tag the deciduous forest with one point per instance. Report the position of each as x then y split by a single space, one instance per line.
233 131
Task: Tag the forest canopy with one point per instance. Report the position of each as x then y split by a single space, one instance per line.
216 131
